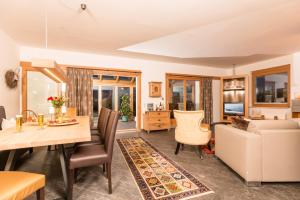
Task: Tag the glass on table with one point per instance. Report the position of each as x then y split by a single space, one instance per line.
41 120
19 123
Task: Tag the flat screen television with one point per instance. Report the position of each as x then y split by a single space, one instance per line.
233 108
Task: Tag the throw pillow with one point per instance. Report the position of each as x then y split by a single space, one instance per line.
240 123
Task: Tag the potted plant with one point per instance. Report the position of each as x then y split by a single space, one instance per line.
125 108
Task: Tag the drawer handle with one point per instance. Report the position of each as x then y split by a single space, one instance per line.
158 113
159 120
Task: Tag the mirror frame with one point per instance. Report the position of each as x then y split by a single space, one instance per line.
270 71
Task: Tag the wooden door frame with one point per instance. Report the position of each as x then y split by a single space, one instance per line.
184 78
26 66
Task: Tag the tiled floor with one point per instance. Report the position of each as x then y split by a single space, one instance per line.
212 172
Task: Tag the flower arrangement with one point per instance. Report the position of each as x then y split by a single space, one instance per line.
57 102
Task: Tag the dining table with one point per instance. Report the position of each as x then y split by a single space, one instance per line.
35 136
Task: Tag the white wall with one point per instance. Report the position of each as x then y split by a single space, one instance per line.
294 61
151 70
9 59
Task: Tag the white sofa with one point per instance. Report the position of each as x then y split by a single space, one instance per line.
269 151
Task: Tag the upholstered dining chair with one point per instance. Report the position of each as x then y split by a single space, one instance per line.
188 130
98 134
15 185
71 112
96 154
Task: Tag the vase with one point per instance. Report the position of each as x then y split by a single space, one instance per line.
58 114
124 118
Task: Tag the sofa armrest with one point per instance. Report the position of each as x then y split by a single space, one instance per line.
280 155
241 150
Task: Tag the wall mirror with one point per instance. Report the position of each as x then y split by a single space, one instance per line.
271 87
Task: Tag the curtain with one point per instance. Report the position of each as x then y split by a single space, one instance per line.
206 99
80 91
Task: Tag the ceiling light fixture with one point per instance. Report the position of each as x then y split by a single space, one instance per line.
44 62
83 6
233 69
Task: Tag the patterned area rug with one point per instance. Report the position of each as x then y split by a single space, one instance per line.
157 176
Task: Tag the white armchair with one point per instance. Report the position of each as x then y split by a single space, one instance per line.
188 129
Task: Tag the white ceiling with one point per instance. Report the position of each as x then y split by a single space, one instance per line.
213 32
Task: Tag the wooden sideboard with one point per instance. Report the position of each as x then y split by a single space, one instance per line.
156 120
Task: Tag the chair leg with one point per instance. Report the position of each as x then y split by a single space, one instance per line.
177 148
31 150
49 148
75 175
71 174
103 168
199 152
109 177
40 194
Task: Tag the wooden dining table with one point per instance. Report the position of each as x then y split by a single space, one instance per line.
34 136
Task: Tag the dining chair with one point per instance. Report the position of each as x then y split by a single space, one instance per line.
71 112
15 185
98 134
188 130
96 154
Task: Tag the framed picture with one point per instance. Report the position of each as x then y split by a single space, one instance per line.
154 89
150 107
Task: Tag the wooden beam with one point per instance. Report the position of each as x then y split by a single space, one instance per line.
106 71
132 80
139 102
189 76
113 83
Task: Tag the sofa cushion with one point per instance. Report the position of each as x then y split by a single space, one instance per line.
240 123
256 125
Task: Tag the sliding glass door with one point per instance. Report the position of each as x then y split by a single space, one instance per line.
183 93
192 95
108 97
176 97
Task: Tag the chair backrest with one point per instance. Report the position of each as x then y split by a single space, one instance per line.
111 132
103 121
188 120
71 112
2 116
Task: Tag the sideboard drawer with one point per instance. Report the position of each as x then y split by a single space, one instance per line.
159 120
159 114
158 126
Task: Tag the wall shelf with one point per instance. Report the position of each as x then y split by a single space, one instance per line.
234 92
